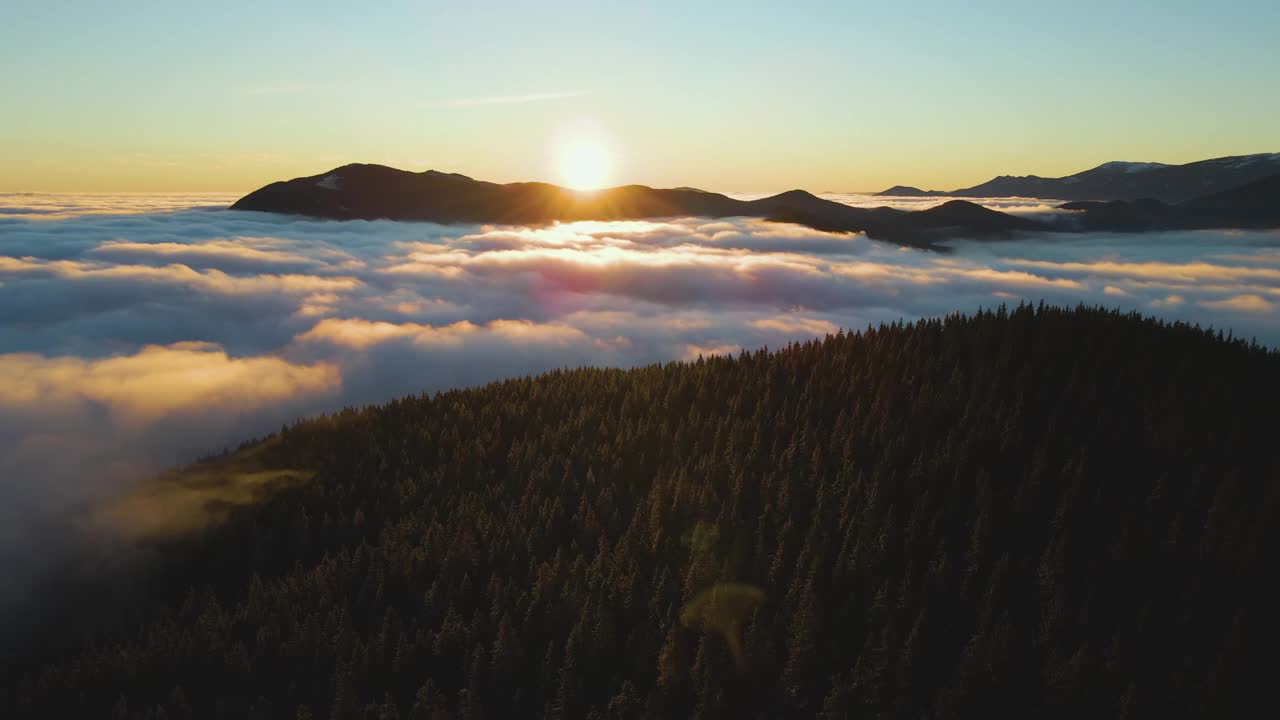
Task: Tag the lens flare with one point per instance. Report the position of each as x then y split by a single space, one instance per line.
584 165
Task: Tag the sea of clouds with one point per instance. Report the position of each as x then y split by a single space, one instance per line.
137 331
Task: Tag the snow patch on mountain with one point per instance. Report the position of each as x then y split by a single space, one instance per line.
1130 167
1243 160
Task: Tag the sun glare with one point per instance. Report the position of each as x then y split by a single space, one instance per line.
584 165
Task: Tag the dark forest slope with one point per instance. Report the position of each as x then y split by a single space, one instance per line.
1048 513
1255 204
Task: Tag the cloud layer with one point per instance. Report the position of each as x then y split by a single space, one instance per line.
136 331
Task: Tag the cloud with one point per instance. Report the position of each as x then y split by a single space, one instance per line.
75 432
1169 301
140 331
1242 303
60 206
1017 205
1270 257
361 334
222 254
357 334
1184 272
797 324
157 382
214 281
692 351
278 89
517 99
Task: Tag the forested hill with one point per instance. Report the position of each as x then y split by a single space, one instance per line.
1042 513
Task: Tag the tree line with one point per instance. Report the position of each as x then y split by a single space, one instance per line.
1029 512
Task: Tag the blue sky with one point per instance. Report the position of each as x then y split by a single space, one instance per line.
731 96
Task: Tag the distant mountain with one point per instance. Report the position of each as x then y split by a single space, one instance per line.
1123 181
958 213
372 192
369 192
1258 201
908 191
1253 205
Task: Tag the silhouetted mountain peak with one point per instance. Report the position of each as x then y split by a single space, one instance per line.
959 206
437 173
1127 167
963 208
1252 205
971 217
908 191
367 168
1258 201
1238 161
1125 180
371 192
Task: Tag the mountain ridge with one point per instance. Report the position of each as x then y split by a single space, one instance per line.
1121 180
374 192
1255 204
369 192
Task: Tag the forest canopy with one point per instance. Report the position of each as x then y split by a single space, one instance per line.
1036 512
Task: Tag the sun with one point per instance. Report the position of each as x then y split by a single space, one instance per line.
584 165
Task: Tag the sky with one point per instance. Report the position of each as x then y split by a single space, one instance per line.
732 96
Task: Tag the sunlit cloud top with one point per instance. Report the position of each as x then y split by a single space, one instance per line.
136 332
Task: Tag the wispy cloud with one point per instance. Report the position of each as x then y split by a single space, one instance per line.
514 99
1242 303
277 89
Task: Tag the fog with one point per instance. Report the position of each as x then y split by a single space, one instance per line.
139 331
